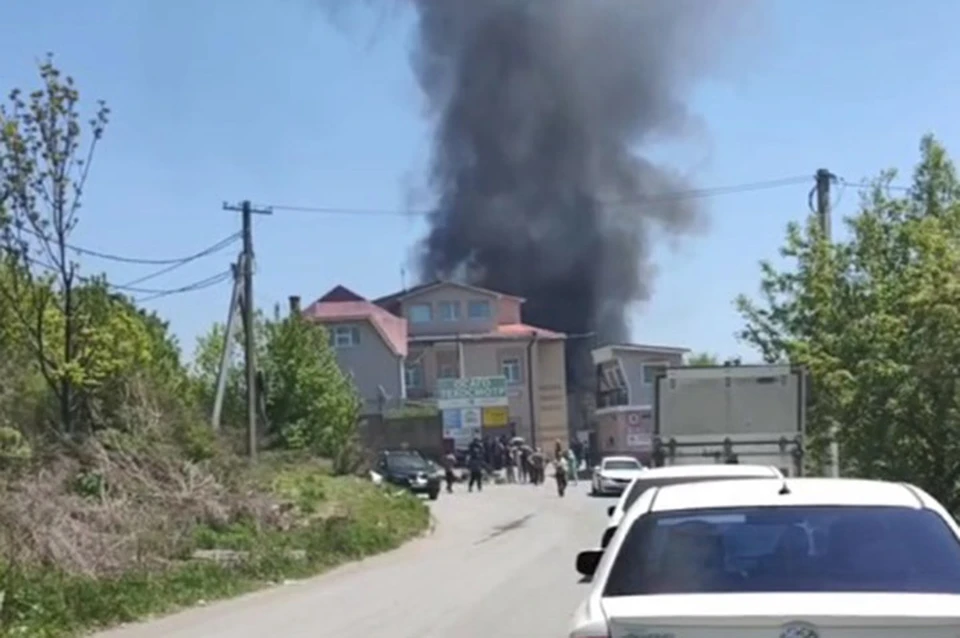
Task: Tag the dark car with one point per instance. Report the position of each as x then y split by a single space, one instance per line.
409 469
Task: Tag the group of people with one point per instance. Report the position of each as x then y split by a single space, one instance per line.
519 462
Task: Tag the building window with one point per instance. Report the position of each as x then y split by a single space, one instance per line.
510 368
420 313
448 371
651 371
413 376
479 309
448 311
344 336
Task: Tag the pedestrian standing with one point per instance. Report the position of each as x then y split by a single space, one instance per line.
449 463
475 466
524 464
560 472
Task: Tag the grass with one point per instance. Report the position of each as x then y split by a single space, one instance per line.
337 520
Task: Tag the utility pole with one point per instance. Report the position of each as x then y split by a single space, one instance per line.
824 178
250 345
228 337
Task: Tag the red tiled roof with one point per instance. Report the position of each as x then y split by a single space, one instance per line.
342 304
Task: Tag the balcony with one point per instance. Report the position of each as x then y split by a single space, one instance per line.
612 398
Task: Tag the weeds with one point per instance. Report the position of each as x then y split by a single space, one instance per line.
327 521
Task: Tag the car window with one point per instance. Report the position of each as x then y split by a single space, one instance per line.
621 464
401 462
787 549
641 485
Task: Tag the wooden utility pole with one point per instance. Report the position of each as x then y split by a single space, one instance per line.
228 337
824 179
250 344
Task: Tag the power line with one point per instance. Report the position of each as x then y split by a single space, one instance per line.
215 248
152 293
138 260
666 197
168 291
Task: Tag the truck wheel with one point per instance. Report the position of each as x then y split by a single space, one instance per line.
434 494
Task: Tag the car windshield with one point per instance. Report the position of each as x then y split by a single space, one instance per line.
406 462
642 485
621 464
788 549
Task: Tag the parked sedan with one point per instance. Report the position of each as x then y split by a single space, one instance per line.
613 475
410 470
788 558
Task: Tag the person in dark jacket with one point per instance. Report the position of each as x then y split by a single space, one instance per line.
449 463
475 466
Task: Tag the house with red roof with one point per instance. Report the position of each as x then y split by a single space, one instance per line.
399 347
370 343
457 331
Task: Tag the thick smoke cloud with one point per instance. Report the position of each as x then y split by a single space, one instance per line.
542 110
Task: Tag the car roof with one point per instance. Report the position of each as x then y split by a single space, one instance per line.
710 469
802 492
618 458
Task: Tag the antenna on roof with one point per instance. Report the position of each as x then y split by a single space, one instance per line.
403 278
784 488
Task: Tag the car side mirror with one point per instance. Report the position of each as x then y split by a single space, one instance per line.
611 510
587 562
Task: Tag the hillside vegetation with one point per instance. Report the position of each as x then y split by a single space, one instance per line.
118 499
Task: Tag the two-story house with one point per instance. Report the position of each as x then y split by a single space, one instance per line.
369 342
625 376
461 331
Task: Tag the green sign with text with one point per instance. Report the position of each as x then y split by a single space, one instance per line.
471 392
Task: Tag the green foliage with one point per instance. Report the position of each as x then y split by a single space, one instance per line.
310 402
876 320
44 162
702 359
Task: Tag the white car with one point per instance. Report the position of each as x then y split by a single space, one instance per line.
675 475
778 558
614 474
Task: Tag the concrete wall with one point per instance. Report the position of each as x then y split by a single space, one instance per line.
626 431
550 386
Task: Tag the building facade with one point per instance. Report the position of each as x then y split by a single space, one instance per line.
402 347
624 415
370 344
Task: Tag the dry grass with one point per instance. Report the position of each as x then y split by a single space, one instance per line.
109 507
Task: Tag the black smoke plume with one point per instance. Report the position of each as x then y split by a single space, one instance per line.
542 110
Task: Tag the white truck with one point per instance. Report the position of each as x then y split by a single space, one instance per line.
729 414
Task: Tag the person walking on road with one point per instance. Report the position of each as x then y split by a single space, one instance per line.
560 472
475 466
536 467
449 463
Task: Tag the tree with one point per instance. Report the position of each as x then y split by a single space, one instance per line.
702 359
876 321
45 159
310 402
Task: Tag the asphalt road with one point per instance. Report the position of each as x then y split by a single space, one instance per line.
498 563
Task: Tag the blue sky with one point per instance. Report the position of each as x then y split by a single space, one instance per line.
271 101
